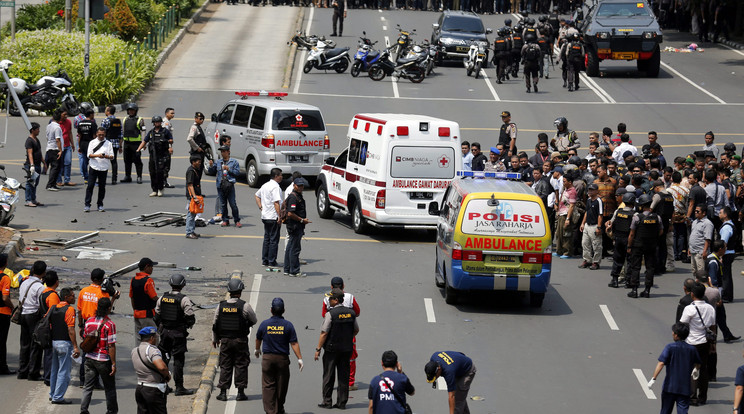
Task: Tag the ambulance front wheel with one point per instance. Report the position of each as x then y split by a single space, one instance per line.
323 204
536 299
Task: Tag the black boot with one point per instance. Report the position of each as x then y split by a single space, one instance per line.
223 395
613 283
646 292
633 293
180 390
241 395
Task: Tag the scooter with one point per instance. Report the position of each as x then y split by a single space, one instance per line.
308 42
322 58
8 197
409 68
475 59
364 57
45 95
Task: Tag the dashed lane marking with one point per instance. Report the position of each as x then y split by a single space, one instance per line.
296 88
686 79
608 317
384 27
644 384
429 311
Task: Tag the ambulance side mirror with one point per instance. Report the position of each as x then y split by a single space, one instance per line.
330 160
434 208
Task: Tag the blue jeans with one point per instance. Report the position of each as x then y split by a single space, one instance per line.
60 372
31 186
272 229
83 160
66 165
292 253
190 220
226 197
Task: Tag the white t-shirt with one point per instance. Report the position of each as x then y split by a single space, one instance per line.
269 194
690 316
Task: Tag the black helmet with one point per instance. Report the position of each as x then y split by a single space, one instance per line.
543 19
629 198
561 121
729 147
644 199
508 22
84 106
575 160
157 118
524 13
133 106
177 280
530 21
235 285
530 38
575 36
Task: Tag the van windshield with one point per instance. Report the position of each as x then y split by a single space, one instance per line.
290 120
422 162
510 218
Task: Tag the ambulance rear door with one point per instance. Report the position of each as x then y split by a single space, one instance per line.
300 135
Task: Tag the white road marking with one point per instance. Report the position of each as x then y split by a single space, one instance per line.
253 301
608 317
735 50
429 310
387 41
671 69
517 16
644 384
490 86
382 17
384 27
395 87
296 89
597 89
441 384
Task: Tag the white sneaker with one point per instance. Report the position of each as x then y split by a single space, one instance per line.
160 193
154 194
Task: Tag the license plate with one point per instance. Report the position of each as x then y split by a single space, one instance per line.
604 51
9 191
421 196
494 259
625 55
297 158
481 55
462 48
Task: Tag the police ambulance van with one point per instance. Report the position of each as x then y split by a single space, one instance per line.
393 167
268 132
492 234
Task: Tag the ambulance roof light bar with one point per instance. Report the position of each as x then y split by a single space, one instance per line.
245 94
482 174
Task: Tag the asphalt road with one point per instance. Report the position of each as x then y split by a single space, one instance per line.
577 354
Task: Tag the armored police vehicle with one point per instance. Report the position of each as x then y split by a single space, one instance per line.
621 30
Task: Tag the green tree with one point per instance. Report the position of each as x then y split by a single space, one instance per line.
124 20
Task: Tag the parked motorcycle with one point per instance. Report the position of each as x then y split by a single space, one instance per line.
9 196
433 51
308 42
403 43
409 68
322 58
46 95
476 58
365 56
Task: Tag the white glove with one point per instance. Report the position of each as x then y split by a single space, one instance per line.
695 373
257 353
32 170
302 365
651 383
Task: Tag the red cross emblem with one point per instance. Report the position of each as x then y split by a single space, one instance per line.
298 117
444 161
216 136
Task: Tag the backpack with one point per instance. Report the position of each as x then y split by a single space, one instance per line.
43 332
532 54
574 52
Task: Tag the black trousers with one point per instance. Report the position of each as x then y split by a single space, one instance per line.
234 356
54 167
4 327
114 165
334 362
721 322
637 256
29 357
700 386
275 382
131 156
727 288
157 171
150 400
173 347
95 176
338 17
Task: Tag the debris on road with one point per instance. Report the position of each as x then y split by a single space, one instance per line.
66 243
96 253
692 47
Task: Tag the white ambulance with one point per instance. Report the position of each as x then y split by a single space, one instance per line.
393 167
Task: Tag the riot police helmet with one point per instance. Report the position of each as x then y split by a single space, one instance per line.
575 160
629 198
133 106
235 285
530 38
157 118
84 106
177 280
575 37
508 22
729 147
561 121
530 21
645 200
543 19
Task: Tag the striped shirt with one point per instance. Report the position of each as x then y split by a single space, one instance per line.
108 336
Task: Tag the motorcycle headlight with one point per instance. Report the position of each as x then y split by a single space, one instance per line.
483 43
5 197
447 40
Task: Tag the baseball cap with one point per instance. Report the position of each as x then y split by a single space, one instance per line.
505 113
620 191
555 154
224 148
592 186
277 304
630 188
148 330
495 150
431 370
337 281
557 169
145 261
300 181
337 294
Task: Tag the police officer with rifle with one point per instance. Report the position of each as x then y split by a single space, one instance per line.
198 141
161 147
619 227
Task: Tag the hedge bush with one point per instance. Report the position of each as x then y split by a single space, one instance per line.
53 49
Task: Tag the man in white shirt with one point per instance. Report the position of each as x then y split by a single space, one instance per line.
54 150
625 145
467 157
100 154
29 356
268 199
700 316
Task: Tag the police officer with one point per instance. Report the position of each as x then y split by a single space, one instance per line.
501 54
152 374
531 58
174 315
508 134
619 224
336 337
458 371
232 323
86 132
132 136
349 301
564 138
114 134
662 203
161 147
275 335
517 41
572 55
645 230
198 141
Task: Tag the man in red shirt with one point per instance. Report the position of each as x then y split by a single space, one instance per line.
69 148
101 361
6 308
87 304
143 296
349 302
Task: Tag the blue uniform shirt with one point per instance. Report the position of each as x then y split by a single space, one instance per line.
740 381
389 397
276 333
680 358
454 365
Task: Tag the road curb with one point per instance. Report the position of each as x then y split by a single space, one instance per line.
14 247
730 43
289 67
206 384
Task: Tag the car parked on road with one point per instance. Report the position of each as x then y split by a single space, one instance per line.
455 30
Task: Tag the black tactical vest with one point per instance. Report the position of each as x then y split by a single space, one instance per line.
59 326
517 42
114 130
171 312
621 224
141 300
87 131
158 141
341 335
500 45
230 321
131 127
647 230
